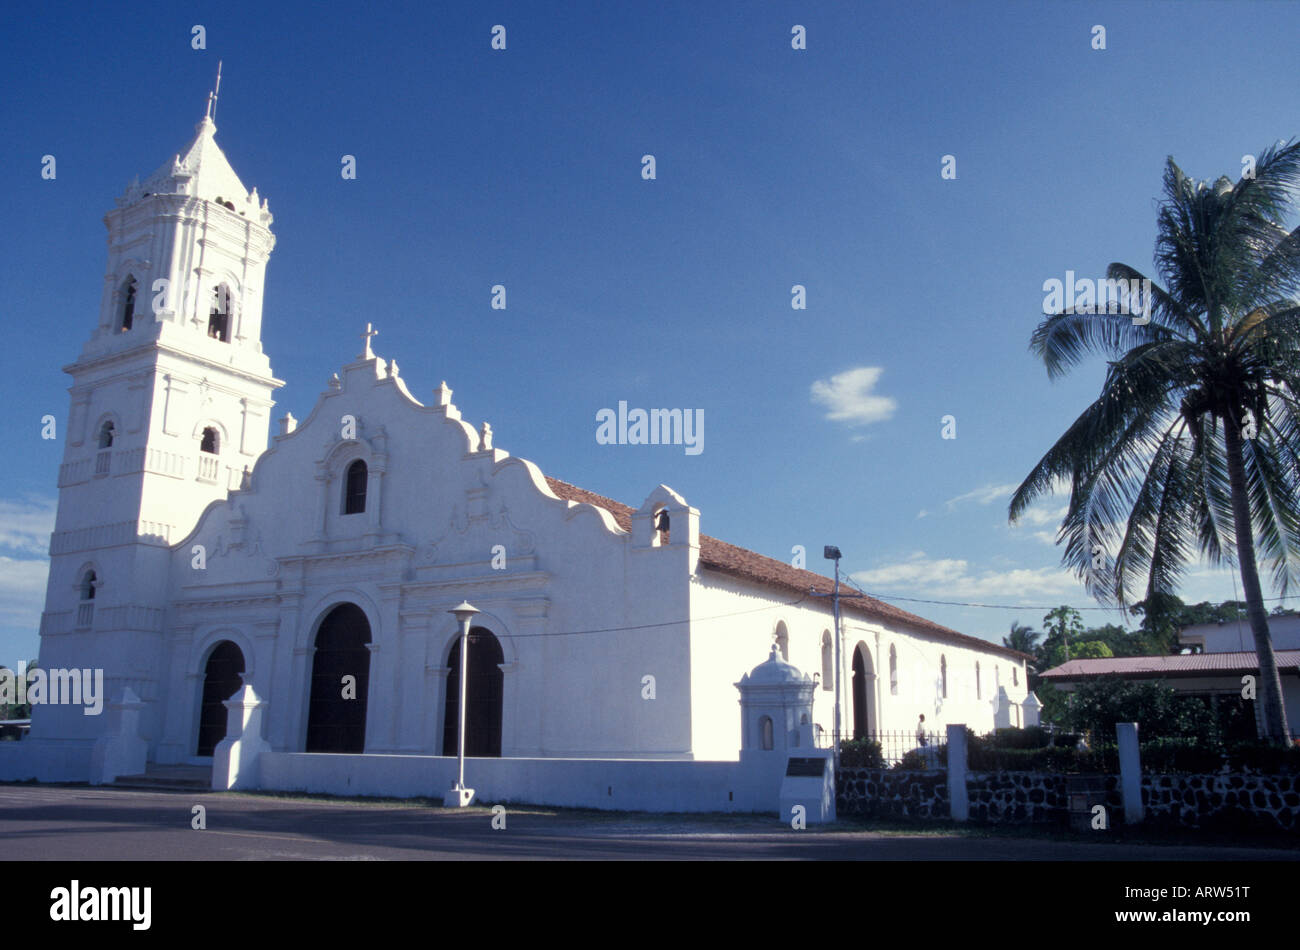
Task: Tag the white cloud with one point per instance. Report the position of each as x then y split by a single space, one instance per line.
22 592
984 495
1038 516
850 399
954 579
25 526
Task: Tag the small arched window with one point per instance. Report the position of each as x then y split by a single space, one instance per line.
354 488
88 586
893 671
106 433
783 641
979 692
828 662
1015 676
943 676
210 442
128 305
219 314
766 738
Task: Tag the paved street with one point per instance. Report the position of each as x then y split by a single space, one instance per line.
82 823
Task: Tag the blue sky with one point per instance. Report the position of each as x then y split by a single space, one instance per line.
774 167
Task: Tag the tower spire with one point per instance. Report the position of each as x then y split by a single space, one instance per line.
213 95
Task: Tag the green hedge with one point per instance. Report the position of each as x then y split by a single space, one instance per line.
1059 759
1016 750
1030 750
1193 754
861 754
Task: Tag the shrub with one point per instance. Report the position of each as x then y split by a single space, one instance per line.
1193 754
861 754
1009 737
925 759
1058 758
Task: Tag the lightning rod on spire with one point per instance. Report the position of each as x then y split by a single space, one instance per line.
213 95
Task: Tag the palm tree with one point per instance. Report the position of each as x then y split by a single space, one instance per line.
1194 443
1022 637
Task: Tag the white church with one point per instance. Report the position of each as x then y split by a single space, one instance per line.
299 593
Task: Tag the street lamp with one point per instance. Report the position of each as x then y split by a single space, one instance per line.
460 796
832 553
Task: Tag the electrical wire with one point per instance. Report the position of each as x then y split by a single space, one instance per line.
666 623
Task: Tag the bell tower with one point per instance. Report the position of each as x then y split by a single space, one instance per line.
171 401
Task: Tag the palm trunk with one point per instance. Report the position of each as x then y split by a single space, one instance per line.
1270 684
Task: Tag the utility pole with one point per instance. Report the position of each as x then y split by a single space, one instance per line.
831 553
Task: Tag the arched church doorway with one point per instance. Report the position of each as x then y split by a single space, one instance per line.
222 678
484 693
336 715
861 694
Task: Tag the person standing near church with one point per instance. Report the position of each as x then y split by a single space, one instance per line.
920 730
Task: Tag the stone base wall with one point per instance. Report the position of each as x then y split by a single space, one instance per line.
1229 801
882 793
1030 798
1232 801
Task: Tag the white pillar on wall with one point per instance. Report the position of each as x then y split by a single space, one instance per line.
1130 771
958 800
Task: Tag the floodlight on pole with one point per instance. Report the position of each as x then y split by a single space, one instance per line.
460 796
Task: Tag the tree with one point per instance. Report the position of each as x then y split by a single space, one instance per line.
1194 443
1162 620
1099 704
1022 637
1061 625
16 710
1091 650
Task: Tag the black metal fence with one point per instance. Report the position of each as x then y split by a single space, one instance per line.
900 749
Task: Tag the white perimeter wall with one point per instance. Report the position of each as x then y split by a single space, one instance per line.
627 784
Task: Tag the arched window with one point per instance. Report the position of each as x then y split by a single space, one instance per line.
210 442
893 671
943 676
86 609
219 315
106 432
979 693
828 662
354 488
766 739
783 641
128 305
222 677
1015 676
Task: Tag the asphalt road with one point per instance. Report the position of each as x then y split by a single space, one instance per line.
84 823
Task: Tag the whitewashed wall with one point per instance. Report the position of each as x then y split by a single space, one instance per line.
723 647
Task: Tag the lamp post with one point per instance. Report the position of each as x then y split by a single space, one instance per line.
460 796
832 553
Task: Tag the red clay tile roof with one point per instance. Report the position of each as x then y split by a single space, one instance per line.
740 562
1191 664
